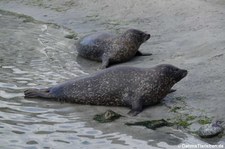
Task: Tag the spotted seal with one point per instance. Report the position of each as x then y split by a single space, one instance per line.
109 49
116 86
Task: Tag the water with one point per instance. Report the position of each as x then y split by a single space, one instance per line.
35 55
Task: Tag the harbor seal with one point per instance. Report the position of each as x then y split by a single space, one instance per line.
110 49
116 86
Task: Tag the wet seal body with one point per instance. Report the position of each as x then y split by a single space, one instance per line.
109 49
117 86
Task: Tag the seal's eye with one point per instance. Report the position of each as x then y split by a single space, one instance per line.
176 69
143 34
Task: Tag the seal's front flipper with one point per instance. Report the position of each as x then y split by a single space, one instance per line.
133 112
105 62
171 91
136 108
34 93
138 53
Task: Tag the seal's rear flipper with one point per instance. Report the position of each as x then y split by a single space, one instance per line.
136 107
34 93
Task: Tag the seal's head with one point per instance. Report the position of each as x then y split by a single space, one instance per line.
137 35
171 73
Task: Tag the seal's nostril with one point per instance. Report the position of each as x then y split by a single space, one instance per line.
185 72
148 36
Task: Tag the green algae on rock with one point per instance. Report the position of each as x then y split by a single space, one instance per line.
204 121
153 124
174 109
71 35
21 16
183 123
107 116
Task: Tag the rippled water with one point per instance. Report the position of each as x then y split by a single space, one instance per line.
37 55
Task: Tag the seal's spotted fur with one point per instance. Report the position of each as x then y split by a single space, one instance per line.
112 49
117 86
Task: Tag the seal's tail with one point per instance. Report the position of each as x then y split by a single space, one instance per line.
34 93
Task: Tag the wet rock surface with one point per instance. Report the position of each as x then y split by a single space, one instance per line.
210 130
35 54
107 116
153 124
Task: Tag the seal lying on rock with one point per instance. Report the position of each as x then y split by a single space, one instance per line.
116 86
110 49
